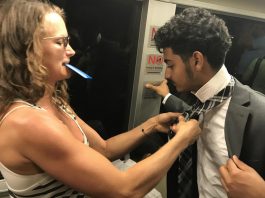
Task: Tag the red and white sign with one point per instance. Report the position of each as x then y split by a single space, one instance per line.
151 41
154 64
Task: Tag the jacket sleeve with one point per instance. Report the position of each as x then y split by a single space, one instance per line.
175 104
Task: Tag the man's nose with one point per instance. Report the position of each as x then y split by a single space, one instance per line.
167 73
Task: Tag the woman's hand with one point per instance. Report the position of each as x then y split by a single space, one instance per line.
164 121
187 130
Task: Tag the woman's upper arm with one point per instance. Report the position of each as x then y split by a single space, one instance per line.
51 146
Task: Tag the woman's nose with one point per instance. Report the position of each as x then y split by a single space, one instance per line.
69 51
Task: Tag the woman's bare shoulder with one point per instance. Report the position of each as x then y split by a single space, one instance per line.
30 122
35 136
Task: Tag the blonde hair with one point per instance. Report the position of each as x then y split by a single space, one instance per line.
22 75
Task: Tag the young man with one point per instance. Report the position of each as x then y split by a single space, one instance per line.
194 44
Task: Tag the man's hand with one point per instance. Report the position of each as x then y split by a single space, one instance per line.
241 181
161 89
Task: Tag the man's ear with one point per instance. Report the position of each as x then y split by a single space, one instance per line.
197 60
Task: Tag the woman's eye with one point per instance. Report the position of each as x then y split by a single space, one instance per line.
60 42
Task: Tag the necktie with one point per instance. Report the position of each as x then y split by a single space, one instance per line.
185 170
200 107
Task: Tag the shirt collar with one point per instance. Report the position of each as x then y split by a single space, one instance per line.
219 81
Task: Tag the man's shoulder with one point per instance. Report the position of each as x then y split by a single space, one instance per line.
247 98
241 89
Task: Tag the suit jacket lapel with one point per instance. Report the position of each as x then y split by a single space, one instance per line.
236 119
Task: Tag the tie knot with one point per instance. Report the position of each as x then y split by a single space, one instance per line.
201 107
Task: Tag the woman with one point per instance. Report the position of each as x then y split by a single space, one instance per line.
46 149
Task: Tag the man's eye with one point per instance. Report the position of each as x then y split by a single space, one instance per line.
169 65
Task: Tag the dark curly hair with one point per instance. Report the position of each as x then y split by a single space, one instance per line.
195 29
22 75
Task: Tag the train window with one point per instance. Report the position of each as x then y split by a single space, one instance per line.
104 34
248 44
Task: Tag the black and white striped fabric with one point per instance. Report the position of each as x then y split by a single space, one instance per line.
185 170
47 188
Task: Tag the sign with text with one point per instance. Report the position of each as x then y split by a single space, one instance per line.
154 64
151 40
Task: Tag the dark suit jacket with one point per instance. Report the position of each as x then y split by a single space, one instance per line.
244 125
